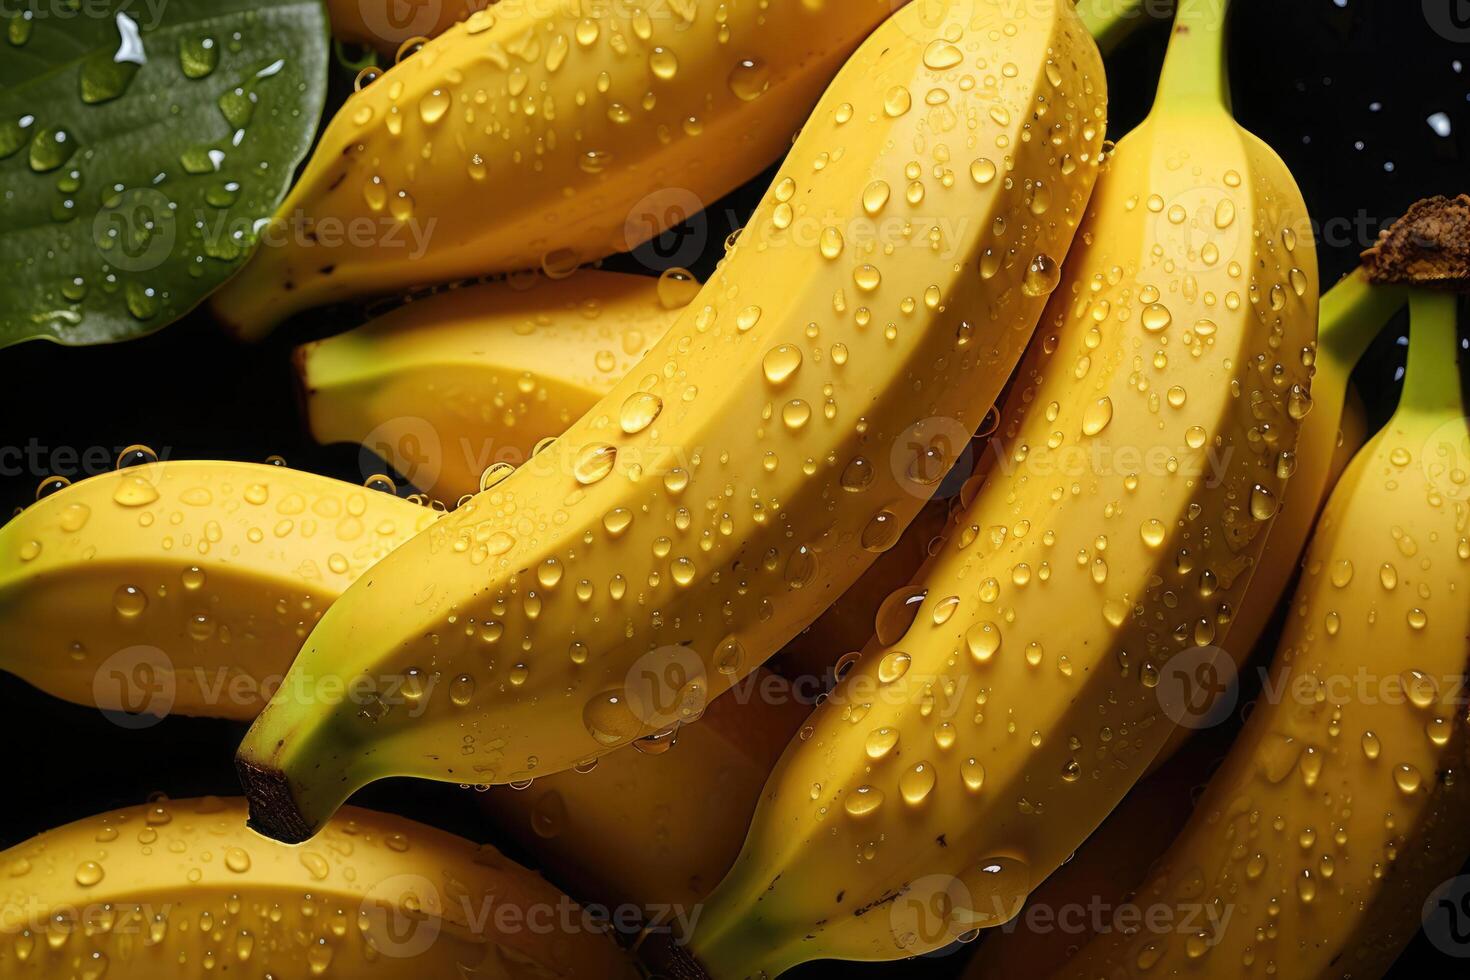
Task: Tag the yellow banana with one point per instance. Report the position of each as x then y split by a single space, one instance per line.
1137 475
1115 859
656 827
543 135
187 587
708 508
1094 889
181 888
184 587
1343 803
445 387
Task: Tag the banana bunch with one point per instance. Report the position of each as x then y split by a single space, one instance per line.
1142 456
446 387
181 888
656 826
775 442
1343 803
183 587
543 136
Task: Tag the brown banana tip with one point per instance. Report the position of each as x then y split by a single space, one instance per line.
1428 247
273 810
665 955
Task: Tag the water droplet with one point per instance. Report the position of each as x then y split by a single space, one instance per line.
89 873
749 79
781 363
1097 416
863 801
594 462
1042 276
50 148
198 56
609 720
881 532
983 640
880 742
1263 503
677 288
639 411
129 601
916 783
434 105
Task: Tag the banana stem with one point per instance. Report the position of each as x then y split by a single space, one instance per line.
1353 314
1195 69
1432 381
1110 21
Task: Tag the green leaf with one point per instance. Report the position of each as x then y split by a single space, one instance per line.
142 143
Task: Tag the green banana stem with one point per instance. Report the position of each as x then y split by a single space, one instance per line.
1110 21
1432 381
1195 69
1353 313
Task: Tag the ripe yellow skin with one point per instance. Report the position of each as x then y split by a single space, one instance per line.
1115 859
447 386
182 888
1115 527
541 135
184 587
1343 803
712 534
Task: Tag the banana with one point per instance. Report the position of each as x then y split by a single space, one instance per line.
1115 859
710 507
184 587
1138 469
445 387
1343 803
656 827
181 888
543 135
1096 885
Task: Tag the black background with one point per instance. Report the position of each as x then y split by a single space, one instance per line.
1342 92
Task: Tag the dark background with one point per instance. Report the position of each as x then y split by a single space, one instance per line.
1342 89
